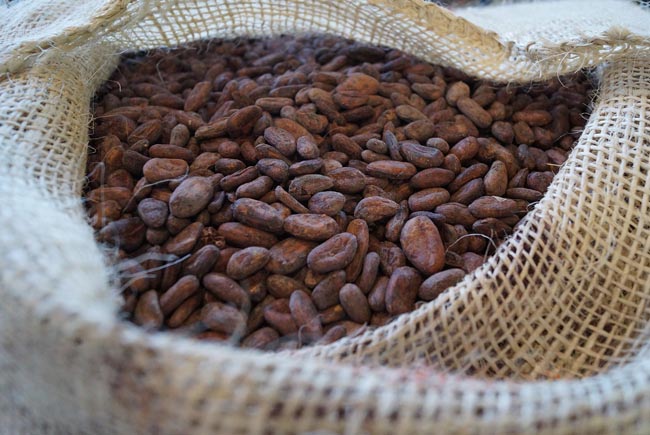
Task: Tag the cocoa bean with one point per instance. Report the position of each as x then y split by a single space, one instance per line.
258 215
375 208
147 311
354 303
223 318
202 261
422 245
347 180
333 254
227 290
305 315
281 139
316 227
439 282
247 261
264 338
327 202
190 197
428 199
302 188
243 236
178 293
402 290
391 169
289 255
493 206
281 286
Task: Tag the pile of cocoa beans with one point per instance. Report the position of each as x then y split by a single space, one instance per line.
291 191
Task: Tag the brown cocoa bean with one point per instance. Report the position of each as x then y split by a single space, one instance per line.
164 169
264 338
258 215
326 292
305 316
289 201
359 82
302 188
377 295
184 310
227 290
185 240
472 261
281 139
346 145
439 282
255 189
422 245
277 169
307 148
428 199
402 290
375 208
127 233
333 254
469 192
289 255
147 311
241 122
273 104
391 169
281 286
306 167
223 318
391 257
316 227
539 181
358 228
278 315
247 261
491 227
369 271
456 91
178 293
466 149
354 303
496 179
165 151
432 177
529 195
533 117
421 156
473 172
420 130
244 236
474 112
202 261
328 203
198 96
153 212
190 197
493 206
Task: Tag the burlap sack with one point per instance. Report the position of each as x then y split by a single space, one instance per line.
550 336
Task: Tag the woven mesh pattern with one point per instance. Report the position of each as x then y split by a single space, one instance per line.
550 336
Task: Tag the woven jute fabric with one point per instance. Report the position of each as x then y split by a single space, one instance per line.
551 335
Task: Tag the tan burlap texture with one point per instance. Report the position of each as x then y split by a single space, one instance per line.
551 336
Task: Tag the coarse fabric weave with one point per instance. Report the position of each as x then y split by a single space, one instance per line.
550 336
